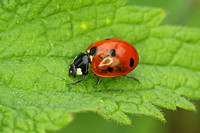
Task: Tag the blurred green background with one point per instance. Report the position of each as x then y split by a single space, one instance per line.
181 13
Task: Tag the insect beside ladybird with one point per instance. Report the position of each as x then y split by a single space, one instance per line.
108 58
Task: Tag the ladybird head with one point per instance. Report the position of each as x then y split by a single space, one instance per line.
80 65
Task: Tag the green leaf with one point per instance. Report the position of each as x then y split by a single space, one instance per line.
38 37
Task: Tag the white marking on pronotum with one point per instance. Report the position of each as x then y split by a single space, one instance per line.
91 57
88 51
78 71
106 61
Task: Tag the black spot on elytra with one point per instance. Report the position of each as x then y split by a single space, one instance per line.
110 69
118 69
112 52
93 51
100 57
107 39
104 71
131 62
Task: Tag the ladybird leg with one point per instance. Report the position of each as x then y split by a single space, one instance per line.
132 78
97 80
84 76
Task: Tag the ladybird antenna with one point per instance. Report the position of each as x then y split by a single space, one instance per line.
67 63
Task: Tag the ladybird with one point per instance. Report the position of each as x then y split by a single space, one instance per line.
108 58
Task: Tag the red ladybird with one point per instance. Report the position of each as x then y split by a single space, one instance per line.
109 58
